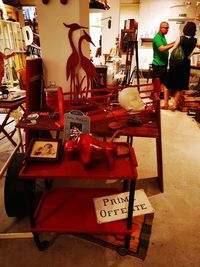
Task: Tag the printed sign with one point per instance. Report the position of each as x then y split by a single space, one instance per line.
75 122
115 207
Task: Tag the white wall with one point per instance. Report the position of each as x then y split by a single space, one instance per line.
151 13
54 36
95 31
128 11
109 35
54 40
100 27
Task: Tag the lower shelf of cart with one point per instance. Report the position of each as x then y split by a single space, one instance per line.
72 210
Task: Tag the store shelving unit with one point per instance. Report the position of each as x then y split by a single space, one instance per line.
146 40
11 36
11 40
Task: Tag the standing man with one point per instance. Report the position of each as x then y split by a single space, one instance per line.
161 54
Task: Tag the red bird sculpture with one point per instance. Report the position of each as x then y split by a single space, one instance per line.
73 60
85 63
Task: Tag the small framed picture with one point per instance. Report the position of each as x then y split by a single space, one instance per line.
44 150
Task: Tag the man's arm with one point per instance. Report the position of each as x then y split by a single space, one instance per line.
163 48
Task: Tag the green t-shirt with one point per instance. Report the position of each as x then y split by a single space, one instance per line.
159 58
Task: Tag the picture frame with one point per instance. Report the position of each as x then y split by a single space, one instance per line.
75 122
45 150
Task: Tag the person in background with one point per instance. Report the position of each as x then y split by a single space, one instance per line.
178 77
161 54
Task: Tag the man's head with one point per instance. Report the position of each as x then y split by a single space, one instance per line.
164 27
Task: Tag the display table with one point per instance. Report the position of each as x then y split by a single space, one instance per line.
10 106
150 128
104 109
71 210
43 123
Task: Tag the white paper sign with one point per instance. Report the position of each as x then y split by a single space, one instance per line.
115 207
75 121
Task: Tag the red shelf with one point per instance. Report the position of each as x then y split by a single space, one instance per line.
72 210
124 169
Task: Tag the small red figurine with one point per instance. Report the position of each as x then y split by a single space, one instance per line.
91 149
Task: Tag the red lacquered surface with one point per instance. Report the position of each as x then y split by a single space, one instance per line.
124 169
148 128
72 211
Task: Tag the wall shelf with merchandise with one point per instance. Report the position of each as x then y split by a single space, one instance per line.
11 40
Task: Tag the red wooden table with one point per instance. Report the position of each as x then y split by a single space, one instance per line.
150 127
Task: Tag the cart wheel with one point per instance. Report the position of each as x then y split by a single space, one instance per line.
14 201
44 245
122 251
120 237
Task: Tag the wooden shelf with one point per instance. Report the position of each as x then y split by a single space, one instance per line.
146 40
72 210
181 19
74 169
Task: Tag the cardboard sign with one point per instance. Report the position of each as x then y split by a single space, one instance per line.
115 207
